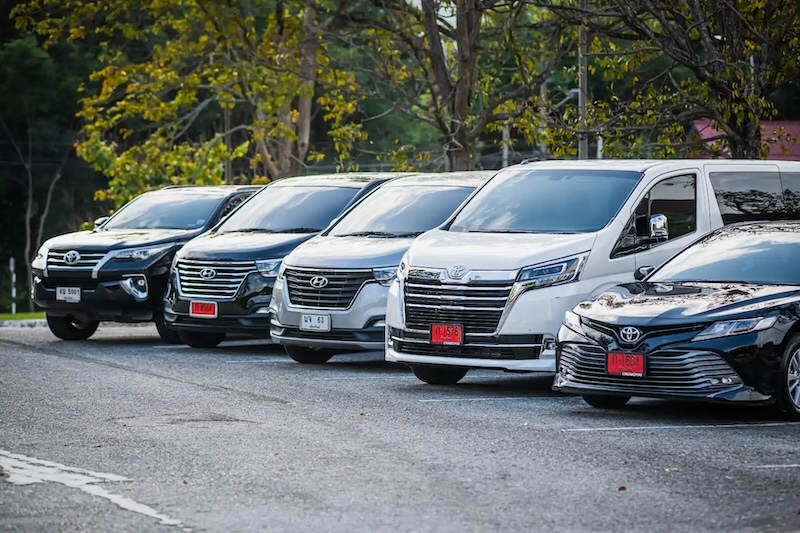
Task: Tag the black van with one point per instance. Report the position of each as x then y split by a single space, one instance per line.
221 282
118 271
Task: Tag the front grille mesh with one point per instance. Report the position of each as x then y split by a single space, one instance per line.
477 307
665 371
339 292
228 277
88 260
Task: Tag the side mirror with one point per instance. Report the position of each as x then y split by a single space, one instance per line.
642 272
100 221
659 228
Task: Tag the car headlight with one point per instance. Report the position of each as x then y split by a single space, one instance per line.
735 327
141 254
557 272
40 260
402 270
573 322
269 267
385 275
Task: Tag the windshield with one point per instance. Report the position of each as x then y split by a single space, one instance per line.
288 209
748 255
165 211
547 201
403 211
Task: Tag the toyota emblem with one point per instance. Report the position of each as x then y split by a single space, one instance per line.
630 334
457 271
208 273
72 257
318 282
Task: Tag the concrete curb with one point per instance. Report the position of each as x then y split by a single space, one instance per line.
41 323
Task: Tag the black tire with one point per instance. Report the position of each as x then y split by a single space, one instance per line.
309 356
168 336
789 386
201 339
602 401
70 329
439 375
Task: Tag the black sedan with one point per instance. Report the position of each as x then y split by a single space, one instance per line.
720 321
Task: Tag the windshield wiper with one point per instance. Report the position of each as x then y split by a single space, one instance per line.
300 230
368 234
251 230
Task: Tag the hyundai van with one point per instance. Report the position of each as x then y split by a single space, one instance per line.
490 287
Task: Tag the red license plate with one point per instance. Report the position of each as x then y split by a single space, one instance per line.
203 309
447 334
629 365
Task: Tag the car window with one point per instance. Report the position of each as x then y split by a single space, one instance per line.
407 210
171 210
547 201
290 208
791 194
748 254
748 196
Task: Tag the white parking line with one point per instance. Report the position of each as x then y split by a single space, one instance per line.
775 466
499 398
685 426
23 470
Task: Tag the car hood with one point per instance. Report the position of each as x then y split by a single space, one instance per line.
349 252
653 303
242 246
494 251
114 239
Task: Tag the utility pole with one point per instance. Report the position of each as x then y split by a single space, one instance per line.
226 125
583 71
506 141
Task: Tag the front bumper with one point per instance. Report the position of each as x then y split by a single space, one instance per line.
358 327
119 300
530 323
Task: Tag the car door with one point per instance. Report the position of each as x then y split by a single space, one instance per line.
668 216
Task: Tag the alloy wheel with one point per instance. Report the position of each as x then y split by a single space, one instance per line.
793 379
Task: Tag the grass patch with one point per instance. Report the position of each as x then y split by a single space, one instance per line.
22 316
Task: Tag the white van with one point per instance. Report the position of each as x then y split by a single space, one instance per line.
489 288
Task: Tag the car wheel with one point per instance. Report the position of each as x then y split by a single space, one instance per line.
70 329
789 395
168 336
606 402
309 356
197 339
439 375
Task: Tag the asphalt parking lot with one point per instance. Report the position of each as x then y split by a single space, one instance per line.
123 433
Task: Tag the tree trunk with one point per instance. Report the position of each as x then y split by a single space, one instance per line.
461 159
746 144
307 73
468 27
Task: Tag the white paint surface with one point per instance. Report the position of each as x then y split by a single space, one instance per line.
686 426
22 470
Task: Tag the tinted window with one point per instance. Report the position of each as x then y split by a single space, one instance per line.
407 210
791 194
290 208
547 201
165 211
749 254
747 196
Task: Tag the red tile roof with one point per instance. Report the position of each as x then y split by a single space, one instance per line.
785 150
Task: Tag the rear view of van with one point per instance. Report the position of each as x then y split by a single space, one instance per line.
489 288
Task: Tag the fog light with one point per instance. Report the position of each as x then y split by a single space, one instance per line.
727 381
262 311
380 324
714 381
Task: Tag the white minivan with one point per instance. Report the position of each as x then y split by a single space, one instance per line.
489 287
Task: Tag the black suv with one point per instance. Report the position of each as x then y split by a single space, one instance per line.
118 271
222 281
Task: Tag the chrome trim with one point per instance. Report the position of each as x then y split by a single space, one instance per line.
230 277
335 271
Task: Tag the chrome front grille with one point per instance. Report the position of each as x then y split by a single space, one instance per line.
87 260
339 290
676 372
195 277
476 306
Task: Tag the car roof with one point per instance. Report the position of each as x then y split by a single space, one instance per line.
344 179
642 165
777 225
209 190
466 178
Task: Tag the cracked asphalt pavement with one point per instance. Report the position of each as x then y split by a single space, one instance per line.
123 433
